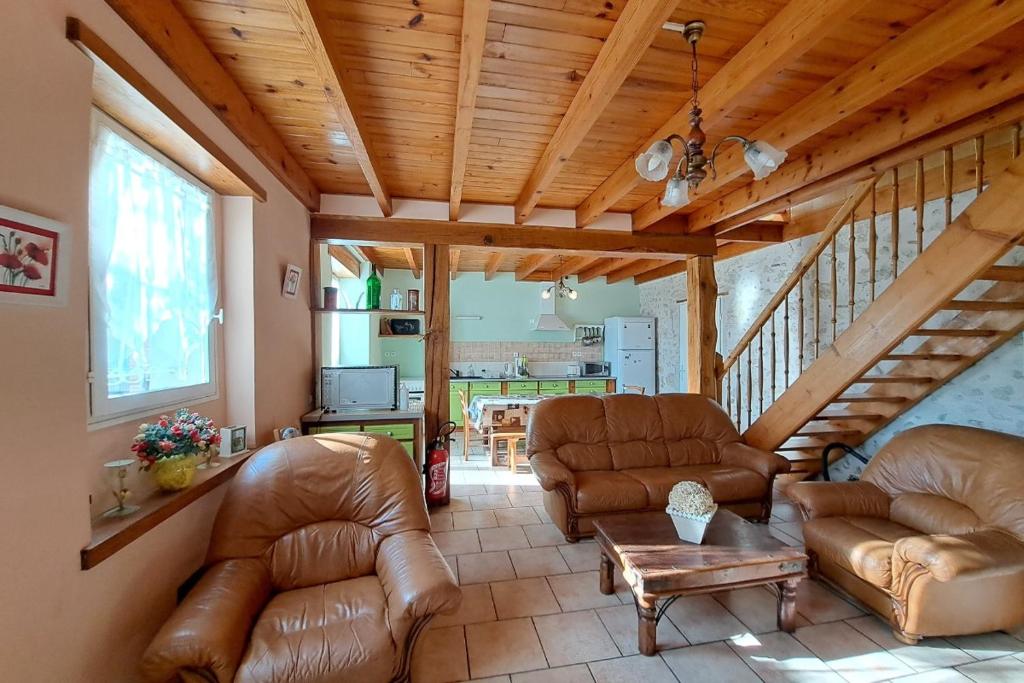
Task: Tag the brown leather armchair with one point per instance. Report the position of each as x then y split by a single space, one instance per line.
932 536
320 568
604 455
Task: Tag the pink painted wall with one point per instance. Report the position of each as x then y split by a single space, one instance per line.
58 623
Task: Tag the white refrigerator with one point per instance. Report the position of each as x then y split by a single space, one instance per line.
629 346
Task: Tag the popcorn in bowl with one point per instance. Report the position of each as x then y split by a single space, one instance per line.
691 508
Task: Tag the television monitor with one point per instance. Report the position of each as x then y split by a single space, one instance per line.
359 388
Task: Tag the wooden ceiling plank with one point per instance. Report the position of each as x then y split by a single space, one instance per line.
493 263
632 34
311 25
513 238
168 33
455 256
958 26
790 34
602 267
631 269
474 31
531 264
573 266
410 258
756 231
345 257
945 115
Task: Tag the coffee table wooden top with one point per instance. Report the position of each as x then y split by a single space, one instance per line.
735 552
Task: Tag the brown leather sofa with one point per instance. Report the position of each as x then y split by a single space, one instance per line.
603 455
320 569
932 536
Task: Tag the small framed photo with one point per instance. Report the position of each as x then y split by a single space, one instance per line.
33 259
232 441
290 286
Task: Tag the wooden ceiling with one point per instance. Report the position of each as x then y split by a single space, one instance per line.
540 102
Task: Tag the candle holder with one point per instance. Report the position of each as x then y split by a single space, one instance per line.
118 472
208 458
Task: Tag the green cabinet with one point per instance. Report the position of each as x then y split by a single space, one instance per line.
334 429
401 432
484 388
454 404
522 388
553 388
591 386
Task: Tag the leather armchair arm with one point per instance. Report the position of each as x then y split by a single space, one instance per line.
981 554
550 471
739 454
207 634
839 499
417 581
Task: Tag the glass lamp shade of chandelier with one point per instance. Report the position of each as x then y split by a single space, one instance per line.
654 163
762 158
677 192
562 290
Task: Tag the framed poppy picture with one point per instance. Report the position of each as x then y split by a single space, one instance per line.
33 259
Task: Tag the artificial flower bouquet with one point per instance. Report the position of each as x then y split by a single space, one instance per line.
691 508
169 446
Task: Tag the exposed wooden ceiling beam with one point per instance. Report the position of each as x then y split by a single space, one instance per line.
169 34
454 258
600 268
474 31
631 269
948 114
345 258
493 263
667 270
532 263
957 26
410 258
515 238
756 231
793 31
573 266
639 23
311 24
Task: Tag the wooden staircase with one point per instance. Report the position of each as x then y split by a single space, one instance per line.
958 299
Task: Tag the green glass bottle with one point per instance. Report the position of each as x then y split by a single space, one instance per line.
373 290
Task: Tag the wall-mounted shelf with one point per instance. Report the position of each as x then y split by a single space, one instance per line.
379 311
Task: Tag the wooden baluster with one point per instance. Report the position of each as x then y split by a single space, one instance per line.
750 383
947 179
834 289
873 241
760 371
919 202
739 396
785 341
895 222
816 296
1015 141
979 163
728 391
800 327
773 357
852 266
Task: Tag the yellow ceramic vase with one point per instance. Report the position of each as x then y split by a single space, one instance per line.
175 473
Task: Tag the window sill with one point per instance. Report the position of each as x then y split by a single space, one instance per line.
111 534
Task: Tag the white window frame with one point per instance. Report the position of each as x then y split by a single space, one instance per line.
103 410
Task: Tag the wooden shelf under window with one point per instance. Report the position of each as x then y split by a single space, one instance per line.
113 533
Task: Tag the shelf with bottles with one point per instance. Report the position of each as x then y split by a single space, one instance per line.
375 311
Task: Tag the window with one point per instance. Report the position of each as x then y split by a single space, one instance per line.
153 279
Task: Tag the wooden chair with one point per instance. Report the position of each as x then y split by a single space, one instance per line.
634 389
466 427
510 439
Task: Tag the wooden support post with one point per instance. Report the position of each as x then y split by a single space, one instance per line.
702 332
436 288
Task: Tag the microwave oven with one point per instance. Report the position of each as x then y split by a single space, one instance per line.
601 369
362 387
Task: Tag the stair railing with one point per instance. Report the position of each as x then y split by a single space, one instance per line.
757 370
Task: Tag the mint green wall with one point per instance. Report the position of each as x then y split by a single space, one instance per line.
409 354
507 306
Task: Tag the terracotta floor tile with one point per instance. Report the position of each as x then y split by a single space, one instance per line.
485 568
580 591
518 516
622 624
794 529
545 518
988 645
786 512
780 657
440 521
578 673
503 538
440 656
702 619
544 534
531 562
709 663
454 505
635 669
457 542
851 654
936 676
526 498
477 606
474 519
756 607
489 501
453 564
820 605
581 557
1000 670
930 653
574 637
502 488
523 598
500 647
468 489
491 679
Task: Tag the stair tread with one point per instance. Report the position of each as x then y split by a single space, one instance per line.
953 332
831 432
893 379
870 399
823 417
1003 274
926 356
983 305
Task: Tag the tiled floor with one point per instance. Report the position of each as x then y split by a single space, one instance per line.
532 613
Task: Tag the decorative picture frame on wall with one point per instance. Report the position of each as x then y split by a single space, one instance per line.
290 284
34 259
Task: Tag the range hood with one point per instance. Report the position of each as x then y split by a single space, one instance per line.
547 320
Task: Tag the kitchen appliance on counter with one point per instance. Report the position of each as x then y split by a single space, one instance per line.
359 388
629 349
600 369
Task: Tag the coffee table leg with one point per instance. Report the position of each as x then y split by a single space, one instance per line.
787 604
607 575
647 628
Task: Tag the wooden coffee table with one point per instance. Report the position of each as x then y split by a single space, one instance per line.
658 566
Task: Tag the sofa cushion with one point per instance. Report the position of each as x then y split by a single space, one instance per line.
332 632
727 484
695 429
608 492
635 435
861 545
933 514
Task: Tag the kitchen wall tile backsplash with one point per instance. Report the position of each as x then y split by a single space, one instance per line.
474 352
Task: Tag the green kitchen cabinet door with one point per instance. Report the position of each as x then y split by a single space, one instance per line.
522 388
455 408
554 388
591 386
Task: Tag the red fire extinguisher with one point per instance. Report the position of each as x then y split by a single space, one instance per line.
437 466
